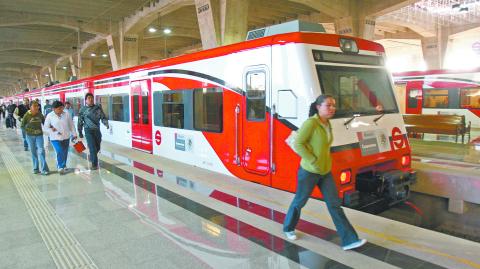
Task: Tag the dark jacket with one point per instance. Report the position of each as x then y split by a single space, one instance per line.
11 108
22 109
89 118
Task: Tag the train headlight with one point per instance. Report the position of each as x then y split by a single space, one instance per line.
406 160
348 45
346 176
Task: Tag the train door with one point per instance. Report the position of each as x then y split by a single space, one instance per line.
256 122
414 97
141 112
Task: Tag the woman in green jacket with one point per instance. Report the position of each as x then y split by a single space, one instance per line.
313 145
32 123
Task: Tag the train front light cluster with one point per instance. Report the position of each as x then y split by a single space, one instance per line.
406 159
346 176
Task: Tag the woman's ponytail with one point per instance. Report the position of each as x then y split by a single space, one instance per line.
313 109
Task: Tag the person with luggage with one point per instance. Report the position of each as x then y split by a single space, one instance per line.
32 123
20 111
60 127
89 117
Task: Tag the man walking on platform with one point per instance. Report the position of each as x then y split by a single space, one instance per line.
89 118
20 111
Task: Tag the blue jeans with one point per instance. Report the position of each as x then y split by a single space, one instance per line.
94 138
61 148
306 182
35 143
24 135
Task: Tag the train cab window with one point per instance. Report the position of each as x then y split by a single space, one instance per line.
208 109
435 98
470 98
357 90
103 101
120 108
256 85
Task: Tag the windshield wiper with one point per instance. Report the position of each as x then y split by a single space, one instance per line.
350 120
378 118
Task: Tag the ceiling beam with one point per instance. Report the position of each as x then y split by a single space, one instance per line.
12 18
334 8
377 8
143 18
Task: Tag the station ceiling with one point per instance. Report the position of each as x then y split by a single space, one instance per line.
36 34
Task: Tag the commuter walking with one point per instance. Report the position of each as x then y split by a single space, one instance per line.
60 127
10 120
313 143
47 108
39 104
89 119
2 111
32 124
69 108
19 112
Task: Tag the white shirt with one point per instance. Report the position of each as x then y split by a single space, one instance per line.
63 124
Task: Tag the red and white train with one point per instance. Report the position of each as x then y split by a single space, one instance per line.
230 110
440 92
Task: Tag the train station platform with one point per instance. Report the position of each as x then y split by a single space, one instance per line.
143 211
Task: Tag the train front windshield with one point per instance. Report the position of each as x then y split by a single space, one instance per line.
358 90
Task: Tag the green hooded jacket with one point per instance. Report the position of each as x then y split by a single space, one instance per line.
312 143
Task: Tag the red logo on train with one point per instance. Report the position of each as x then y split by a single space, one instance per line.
397 138
158 137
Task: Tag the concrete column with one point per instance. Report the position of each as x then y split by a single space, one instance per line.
130 51
234 21
87 68
208 21
456 206
434 48
73 68
358 26
51 75
112 52
38 80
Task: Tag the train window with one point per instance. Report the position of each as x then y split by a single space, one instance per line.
256 85
357 90
413 97
77 103
470 98
103 101
435 98
173 109
136 108
120 108
208 109
145 115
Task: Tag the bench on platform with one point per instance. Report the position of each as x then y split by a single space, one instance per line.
437 124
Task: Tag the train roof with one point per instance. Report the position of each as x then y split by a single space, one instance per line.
313 38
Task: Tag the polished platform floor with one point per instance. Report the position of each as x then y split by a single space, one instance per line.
141 211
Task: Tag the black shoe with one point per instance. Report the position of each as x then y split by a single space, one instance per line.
26 149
